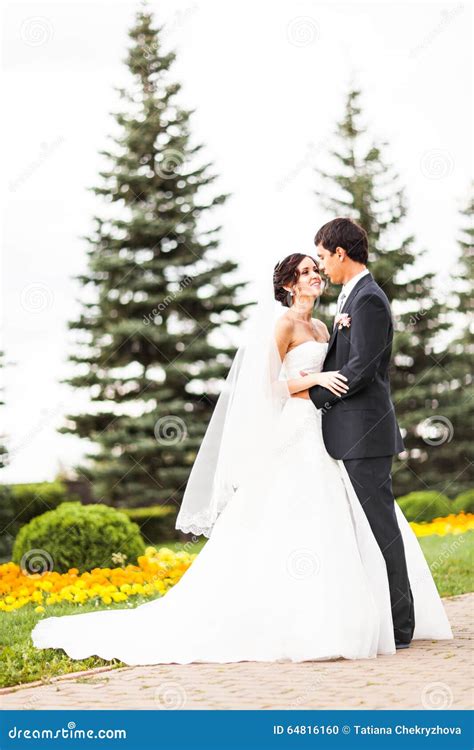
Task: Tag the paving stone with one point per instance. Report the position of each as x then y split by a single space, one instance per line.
430 674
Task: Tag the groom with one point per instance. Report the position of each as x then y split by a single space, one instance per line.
360 426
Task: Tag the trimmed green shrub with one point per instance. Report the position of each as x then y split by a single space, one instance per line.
19 503
424 506
78 536
157 523
7 533
464 502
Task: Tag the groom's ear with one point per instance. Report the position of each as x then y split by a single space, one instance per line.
341 253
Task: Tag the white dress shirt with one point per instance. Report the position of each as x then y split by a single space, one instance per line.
349 286
345 291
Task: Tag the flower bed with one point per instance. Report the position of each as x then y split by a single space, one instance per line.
156 572
453 524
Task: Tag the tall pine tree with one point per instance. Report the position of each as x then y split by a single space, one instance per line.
450 432
363 186
158 292
463 353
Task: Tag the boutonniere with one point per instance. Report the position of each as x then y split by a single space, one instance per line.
343 321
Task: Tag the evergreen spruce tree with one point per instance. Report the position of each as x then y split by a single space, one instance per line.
158 292
450 431
363 186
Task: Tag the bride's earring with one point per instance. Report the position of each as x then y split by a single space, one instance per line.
288 298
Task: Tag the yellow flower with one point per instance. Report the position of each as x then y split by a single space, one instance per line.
39 609
155 572
119 597
452 524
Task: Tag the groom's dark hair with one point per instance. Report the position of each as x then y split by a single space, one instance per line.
345 233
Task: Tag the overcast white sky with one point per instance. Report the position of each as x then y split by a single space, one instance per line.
267 80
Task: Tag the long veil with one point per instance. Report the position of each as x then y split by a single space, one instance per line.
239 443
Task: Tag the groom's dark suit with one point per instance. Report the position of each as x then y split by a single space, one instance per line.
360 428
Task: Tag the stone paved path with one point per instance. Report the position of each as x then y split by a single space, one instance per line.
430 674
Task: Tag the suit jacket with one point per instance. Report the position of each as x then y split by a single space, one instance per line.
362 422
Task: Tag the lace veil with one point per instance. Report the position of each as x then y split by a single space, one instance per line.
238 446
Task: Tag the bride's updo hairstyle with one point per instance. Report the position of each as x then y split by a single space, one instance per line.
286 272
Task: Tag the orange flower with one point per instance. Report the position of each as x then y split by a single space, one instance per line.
157 571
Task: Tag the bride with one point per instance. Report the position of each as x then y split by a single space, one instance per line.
291 570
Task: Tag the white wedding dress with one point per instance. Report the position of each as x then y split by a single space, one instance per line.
295 574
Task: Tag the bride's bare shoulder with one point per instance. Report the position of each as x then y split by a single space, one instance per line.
321 330
285 323
284 332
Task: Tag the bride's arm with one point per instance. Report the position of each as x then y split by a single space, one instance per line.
284 329
334 382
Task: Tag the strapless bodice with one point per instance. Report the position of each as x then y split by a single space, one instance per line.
308 356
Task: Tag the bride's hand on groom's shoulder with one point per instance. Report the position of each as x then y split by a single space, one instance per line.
333 381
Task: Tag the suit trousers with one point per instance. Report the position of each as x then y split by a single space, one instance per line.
372 481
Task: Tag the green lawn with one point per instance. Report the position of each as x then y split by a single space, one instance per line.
449 557
190 547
